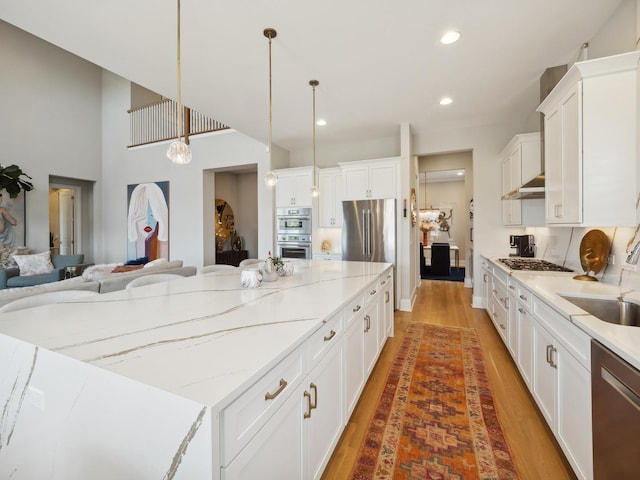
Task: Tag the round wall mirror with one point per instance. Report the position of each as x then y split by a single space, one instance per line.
225 223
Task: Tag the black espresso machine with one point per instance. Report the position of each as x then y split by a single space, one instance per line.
524 245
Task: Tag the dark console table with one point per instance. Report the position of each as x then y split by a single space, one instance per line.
231 257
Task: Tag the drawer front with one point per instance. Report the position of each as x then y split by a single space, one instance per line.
353 309
242 419
577 342
325 337
524 297
371 293
500 275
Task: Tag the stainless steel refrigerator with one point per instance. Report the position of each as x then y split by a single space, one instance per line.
369 230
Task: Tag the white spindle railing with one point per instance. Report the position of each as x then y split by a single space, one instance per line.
157 122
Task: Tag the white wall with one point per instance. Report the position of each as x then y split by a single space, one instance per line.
49 120
188 211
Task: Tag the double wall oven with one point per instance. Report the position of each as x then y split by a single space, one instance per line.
294 232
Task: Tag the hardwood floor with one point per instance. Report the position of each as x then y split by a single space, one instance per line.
535 451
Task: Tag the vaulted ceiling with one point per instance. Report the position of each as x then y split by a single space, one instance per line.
379 63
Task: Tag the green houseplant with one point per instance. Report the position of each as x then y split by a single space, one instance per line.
14 180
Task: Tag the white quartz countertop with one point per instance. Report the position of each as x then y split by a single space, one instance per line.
203 337
624 340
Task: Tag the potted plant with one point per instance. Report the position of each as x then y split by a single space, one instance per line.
13 180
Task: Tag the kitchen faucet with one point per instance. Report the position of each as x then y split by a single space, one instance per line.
632 258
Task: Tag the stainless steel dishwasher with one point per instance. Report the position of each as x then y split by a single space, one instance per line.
615 395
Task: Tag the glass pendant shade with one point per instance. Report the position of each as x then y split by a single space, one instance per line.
179 152
270 179
314 191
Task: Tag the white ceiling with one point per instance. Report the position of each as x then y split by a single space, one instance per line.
379 63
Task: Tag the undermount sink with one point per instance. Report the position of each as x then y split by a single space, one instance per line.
618 311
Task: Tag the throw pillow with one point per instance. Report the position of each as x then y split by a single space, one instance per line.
156 262
36 264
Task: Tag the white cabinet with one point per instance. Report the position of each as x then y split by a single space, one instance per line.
554 359
499 303
323 412
370 179
591 144
294 187
288 423
330 199
371 329
521 164
562 384
387 320
262 457
354 362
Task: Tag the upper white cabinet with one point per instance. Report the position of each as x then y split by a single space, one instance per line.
330 200
591 144
521 164
294 187
370 179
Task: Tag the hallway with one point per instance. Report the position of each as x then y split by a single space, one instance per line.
533 447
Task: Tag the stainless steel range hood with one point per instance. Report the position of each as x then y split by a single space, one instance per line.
534 188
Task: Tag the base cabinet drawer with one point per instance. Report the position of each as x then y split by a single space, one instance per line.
242 419
263 456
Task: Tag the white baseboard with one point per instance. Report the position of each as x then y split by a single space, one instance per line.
477 301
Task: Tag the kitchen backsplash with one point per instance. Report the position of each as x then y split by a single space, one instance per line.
561 245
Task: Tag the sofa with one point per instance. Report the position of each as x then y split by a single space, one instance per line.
11 278
98 278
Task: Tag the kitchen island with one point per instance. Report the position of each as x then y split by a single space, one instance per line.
192 379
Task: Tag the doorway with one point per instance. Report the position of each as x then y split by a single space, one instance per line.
445 215
70 217
237 188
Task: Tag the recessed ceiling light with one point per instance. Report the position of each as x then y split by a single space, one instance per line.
446 101
321 123
450 37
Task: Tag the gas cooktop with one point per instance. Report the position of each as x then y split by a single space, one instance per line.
533 264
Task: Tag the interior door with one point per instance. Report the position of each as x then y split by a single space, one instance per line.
67 221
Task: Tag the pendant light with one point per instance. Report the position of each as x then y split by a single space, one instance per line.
314 187
179 151
270 178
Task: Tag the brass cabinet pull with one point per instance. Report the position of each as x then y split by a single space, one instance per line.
521 310
271 396
357 308
330 336
372 292
523 298
313 404
367 321
382 282
502 326
307 414
512 287
386 297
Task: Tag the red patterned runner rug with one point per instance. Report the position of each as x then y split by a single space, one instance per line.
436 418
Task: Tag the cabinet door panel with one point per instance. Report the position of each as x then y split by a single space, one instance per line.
382 181
324 426
355 182
354 363
574 413
572 157
544 375
263 457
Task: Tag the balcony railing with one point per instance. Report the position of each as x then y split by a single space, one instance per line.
157 122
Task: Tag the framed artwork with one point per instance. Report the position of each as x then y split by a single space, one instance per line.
148 220
12 220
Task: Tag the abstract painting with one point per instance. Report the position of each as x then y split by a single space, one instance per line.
148 220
